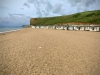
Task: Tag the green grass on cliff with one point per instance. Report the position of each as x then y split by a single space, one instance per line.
86 17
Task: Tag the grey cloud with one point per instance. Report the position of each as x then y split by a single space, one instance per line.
84 4
31 1
57 8
42 7
3 7
48 6
45 8
10 15
17 14
37 5
6 21
26 4
14 19
22 8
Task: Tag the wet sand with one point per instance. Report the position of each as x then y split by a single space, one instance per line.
50 52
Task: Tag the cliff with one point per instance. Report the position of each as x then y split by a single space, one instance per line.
88 17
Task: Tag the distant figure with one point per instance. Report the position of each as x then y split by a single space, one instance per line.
67 27
92 28
79 28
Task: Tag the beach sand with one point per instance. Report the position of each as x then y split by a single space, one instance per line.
50 52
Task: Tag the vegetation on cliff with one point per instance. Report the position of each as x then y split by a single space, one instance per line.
82 17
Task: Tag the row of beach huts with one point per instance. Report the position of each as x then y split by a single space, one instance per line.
71 27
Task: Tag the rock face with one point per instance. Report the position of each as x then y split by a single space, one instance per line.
32 20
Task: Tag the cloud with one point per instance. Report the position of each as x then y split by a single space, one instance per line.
50 8
17 14
83 2
3 7
42 7
45 8
84 5
22 8
26 4
15 19
57 8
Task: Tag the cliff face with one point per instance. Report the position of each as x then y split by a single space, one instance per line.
32 20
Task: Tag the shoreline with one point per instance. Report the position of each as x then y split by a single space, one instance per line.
10 31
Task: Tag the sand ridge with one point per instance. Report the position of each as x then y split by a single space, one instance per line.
50 52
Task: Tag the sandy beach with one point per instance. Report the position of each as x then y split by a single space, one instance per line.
50 52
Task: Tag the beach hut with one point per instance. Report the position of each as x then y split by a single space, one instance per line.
61 27
42 27
94 28
50 27
54 27
66 27
36 26
33 26
71 27
82 27
87 28
45 27
39 26
57 27
76 27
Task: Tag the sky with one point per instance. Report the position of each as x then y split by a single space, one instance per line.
19 12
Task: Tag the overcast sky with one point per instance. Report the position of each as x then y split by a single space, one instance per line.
19 12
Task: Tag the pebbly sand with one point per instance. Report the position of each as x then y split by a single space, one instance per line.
50 52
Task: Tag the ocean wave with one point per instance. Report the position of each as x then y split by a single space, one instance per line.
10 31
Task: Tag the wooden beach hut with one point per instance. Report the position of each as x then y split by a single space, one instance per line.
33 26
95 28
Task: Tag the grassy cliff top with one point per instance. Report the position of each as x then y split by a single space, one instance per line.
88 17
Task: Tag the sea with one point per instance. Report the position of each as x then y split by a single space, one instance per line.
4 29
